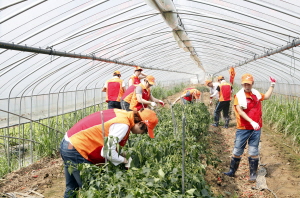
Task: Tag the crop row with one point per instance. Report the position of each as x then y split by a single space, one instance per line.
157 169
23 144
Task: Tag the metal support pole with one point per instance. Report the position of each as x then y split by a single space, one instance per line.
183 153
25 48
294 43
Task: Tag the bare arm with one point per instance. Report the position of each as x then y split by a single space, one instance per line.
153 99
104 89
242 113
141 100
142 75
178 98
130 82
269 93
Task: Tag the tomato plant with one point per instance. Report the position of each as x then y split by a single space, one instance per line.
156 166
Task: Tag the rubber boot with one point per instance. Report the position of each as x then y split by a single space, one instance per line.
234 165
253 165
226 123
216 124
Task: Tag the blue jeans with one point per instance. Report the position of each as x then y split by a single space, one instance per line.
242 137
71 157
186 101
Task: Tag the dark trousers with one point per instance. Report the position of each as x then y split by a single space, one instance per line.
222 106
71 157
114 105
125 105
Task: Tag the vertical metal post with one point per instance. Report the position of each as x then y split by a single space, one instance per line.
103 133
62 110
7 136
183 153
75 105
31 136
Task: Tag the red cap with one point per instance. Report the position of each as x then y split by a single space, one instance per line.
150 119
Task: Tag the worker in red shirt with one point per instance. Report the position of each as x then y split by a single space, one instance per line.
189 96
224 90
114 89
137 97
135 79
248 111
84 142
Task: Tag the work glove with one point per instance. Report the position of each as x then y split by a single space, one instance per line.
161 103
127 165
210 101
153 104
255 125
273 81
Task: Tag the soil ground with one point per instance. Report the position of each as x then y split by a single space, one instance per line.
279 159
46 176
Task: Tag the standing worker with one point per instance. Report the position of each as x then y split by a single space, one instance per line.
84 142
135 79
212 88
137 97
114 89
189 95
248 111
224 90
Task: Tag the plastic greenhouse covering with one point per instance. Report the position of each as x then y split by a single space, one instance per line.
55 56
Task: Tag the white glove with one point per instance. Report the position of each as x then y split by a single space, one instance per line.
153 104
127 165
255 125
161 103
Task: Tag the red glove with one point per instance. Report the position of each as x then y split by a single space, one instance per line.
161 103
273 81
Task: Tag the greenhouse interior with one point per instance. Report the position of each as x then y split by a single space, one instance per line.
176 64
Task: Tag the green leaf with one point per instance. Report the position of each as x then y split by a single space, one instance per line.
161 173
204 192
191 191
70 169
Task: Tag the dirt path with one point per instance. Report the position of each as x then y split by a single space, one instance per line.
282 164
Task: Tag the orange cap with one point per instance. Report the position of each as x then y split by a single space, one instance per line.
138 68
117 72
150 119
247 78
197 94
207 82
150 79
220 77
